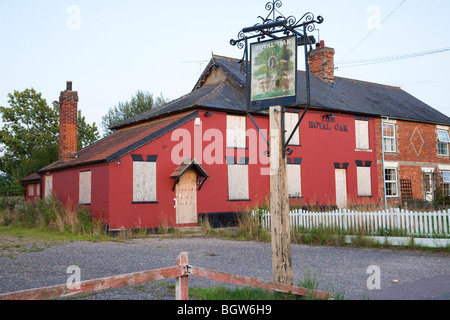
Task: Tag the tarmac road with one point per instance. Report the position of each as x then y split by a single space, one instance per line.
348 272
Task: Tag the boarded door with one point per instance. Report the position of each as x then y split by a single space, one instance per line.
186 192
341 188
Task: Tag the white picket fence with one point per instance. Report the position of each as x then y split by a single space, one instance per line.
428 224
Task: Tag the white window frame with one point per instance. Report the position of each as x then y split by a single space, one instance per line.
386 182
390 138
362 135
238 184
443 140
144 182
446 181
236 132
85 182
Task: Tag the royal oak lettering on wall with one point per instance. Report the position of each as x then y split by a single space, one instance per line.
328 126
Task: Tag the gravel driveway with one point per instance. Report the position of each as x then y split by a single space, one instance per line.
420 275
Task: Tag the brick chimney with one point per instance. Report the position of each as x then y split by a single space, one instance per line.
321 62
68 120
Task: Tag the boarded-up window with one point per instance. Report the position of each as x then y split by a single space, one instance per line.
290 121
85 187
48 186
238 182
144 180
38 189
364 181
362 135
236 132
294 180
30 190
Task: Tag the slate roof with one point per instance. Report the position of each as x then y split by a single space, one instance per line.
345 95
122 142
34 177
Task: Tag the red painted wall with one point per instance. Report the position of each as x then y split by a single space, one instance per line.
66 188
112 184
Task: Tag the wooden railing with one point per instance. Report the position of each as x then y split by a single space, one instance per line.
182 271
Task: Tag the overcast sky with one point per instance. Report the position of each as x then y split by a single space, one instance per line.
110 49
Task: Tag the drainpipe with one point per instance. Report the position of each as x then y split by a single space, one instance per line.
384 168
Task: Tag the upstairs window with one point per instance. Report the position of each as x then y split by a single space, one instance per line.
362 135
290 121
389 137
443 142
236 132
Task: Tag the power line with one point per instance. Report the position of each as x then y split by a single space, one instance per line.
373 30
363 62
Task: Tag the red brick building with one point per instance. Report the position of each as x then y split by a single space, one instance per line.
201 155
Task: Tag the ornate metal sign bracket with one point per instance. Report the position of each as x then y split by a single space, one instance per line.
275 26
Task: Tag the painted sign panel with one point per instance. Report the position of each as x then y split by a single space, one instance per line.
273 73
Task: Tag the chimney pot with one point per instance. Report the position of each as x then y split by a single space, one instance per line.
69 86
322 43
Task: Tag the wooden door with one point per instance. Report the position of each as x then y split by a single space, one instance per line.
186 196
341 188
428 186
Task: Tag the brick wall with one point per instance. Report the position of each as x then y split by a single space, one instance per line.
321 62
417 148
68 119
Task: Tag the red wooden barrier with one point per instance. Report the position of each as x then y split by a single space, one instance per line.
181 272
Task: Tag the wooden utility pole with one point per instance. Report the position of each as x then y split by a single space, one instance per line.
279 201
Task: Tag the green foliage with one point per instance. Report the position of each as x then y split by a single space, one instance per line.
50 214
29 136
221 293
139 103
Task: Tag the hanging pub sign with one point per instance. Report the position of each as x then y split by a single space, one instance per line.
273 73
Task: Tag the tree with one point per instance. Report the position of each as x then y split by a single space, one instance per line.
139 103
29 135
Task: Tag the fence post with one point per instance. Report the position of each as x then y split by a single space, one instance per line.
182 283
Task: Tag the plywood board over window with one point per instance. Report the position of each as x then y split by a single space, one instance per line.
48 186
144 181
294 180
362 134
236 132
85 187
30 190
364 181
290 121
238 182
